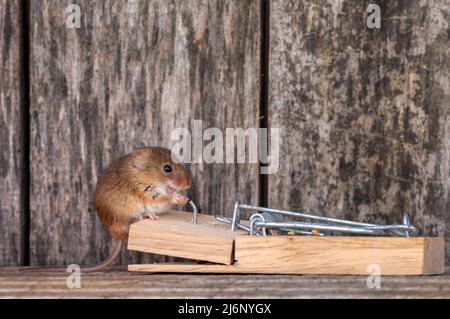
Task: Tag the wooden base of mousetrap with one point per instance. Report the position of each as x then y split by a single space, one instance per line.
212 241
175 235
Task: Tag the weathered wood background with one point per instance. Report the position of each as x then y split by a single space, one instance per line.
364 112
12 170
123 81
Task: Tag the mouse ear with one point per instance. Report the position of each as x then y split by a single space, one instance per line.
139 159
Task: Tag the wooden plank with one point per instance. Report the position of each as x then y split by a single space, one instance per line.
364 112
434 255
123 284
12 209
341 255
323 256
125 80
175 235
185 268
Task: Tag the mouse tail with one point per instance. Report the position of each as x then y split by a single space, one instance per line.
108 262
104 265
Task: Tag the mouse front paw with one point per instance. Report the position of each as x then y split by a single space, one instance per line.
178 199
151 216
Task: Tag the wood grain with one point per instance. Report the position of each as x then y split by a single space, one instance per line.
340 255
364 112
125 80
12 200
323 256
174 234
185 268
122 284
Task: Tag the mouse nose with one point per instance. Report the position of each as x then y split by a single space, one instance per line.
183 182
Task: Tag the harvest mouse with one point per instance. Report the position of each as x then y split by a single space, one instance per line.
140 185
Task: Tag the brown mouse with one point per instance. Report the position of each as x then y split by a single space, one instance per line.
137 186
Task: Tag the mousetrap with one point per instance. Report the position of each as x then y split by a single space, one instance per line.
276 241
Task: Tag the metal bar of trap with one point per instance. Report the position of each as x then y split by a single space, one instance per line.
305 215
195 211
331 224
226 220
299 225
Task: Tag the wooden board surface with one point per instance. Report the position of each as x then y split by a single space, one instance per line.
189 268
341 255
323 256
175 235
122 284
12 170
125 80
364 112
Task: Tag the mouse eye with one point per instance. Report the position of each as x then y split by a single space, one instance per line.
167 168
